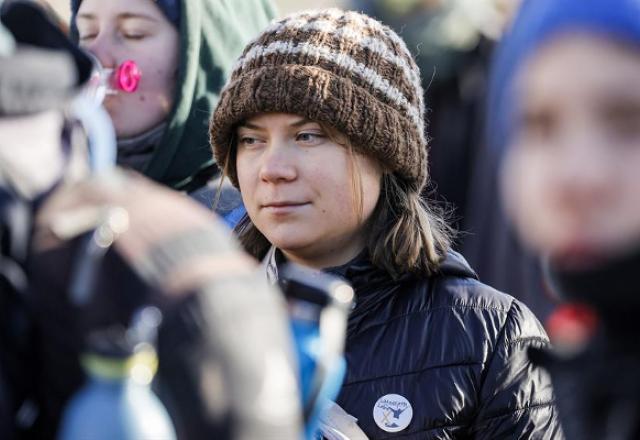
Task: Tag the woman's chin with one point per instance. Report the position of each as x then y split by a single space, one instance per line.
585 255
290 246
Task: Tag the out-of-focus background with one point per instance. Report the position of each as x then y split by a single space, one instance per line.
284 6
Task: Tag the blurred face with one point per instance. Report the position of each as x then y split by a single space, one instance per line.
119 30
571 180
298 187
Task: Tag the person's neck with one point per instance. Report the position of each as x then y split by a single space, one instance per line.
136 151
323 260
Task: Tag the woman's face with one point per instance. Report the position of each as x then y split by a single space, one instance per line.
297 187
572 177
119 30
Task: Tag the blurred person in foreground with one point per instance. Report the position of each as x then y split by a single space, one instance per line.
567 123
184 50
82 252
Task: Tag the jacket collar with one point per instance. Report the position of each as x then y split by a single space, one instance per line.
455 265
360 267
373 286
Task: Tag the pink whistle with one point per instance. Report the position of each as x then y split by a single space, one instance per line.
127 76
109 81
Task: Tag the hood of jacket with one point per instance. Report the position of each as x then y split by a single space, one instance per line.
373 286
213 34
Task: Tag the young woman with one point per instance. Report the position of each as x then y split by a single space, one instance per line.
569 102
184 50
321 128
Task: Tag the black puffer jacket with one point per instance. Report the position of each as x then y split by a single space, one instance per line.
453 348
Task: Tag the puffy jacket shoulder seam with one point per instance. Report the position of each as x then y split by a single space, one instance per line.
468 306
528 339
501 335
447 288
532 407
407 373
432 309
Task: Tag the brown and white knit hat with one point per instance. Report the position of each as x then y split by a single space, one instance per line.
341 68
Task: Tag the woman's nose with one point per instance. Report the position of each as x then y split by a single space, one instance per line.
103 50
278 165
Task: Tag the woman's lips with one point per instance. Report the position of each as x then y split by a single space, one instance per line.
283 207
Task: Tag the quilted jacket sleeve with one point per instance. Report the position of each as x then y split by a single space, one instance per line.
517 400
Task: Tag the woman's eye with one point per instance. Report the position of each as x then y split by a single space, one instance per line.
309 136
133 36
539 125
623 121
249 141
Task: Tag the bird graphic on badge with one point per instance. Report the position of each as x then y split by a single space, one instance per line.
396 415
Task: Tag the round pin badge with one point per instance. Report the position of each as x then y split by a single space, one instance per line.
392 413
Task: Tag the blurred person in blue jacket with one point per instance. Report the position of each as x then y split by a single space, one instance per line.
565 127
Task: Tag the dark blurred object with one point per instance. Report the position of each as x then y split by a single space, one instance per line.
453 50
45 69
53 15
597 389
39 71
211 368
319 304
60 242
594 363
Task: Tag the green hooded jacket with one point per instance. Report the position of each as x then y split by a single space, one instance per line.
213 34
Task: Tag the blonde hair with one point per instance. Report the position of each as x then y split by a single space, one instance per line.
405 234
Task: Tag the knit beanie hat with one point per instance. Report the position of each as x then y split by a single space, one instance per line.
170 8
344 69
536 23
